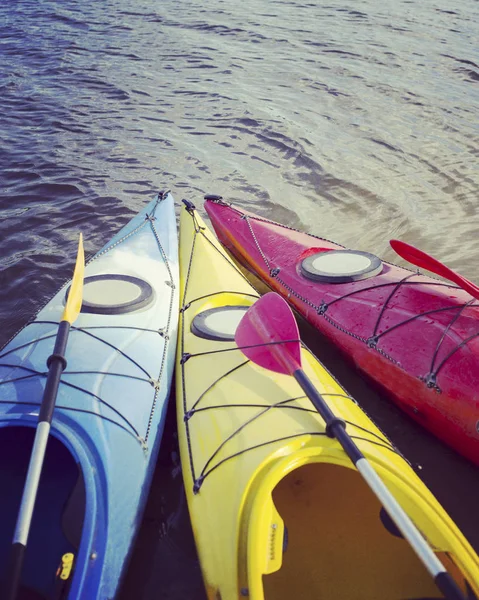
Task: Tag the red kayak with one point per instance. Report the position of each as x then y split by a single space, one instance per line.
416 336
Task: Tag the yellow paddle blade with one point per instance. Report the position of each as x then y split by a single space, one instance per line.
74 300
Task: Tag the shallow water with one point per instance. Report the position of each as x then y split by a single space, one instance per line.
355 122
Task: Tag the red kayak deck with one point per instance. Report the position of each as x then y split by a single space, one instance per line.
416 336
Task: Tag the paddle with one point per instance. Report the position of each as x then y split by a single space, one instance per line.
425 261
268 335
56 364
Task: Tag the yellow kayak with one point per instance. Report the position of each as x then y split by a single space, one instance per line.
278 510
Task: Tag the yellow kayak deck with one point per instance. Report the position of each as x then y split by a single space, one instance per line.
277 509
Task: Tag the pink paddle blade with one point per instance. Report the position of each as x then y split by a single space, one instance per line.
425 261
268 335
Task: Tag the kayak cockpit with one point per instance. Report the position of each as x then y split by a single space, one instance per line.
58 517
325 536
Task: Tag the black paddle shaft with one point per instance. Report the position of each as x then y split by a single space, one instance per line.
335 427
56 364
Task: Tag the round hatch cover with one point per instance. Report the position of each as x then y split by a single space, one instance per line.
114 294
341 266
218 324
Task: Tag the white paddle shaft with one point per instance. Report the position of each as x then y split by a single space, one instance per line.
31 484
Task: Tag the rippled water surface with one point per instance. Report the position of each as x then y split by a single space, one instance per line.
355 121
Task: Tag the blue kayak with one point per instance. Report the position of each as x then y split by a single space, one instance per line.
109 414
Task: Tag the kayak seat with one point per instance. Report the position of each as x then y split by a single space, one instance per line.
338 546
59 497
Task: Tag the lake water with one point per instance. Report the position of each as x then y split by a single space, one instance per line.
355 121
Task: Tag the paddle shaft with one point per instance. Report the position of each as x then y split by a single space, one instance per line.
337 428
56 364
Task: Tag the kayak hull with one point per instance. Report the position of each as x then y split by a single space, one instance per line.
277 508
415 336
110 408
